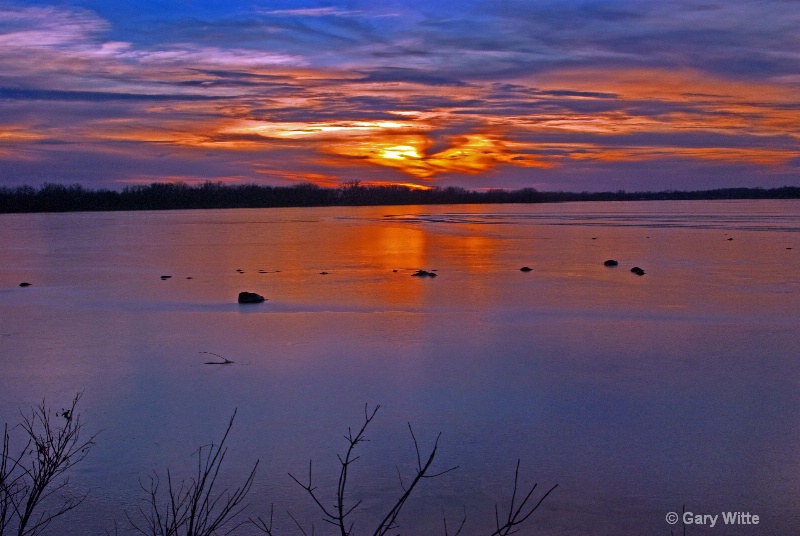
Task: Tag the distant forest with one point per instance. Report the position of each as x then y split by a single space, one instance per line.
169 196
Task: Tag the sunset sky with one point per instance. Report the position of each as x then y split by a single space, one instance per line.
555 95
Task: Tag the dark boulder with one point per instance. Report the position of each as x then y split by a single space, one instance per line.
526 269
611 262
423 273
250 297
24 284
636 270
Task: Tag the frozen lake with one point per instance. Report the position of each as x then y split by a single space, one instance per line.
636 395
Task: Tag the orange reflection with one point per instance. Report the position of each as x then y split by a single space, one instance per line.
360 258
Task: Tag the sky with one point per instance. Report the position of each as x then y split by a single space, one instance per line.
554 95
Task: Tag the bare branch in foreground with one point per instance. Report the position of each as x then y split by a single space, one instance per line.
461 526
338 514
30 497
195 508
517 515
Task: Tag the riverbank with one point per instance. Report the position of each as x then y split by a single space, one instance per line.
178 196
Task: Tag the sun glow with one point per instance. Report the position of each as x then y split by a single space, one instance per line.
317 129
486 127
469 154
400 152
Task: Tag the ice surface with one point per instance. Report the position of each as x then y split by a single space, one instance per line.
636 394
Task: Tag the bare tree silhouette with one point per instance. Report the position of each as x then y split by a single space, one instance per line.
341 512
195 507
31 495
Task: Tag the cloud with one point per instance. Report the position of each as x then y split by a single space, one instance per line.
42 27
485 93
468 154
314 12
93 96
412 76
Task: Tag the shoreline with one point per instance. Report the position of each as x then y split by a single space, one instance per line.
179 196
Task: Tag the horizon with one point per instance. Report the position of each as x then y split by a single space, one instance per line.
197 184
209 195
557 96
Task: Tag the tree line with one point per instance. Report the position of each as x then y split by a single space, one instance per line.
174 196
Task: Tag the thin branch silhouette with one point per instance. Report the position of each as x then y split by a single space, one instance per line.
31 496
340 514
195 507
517 514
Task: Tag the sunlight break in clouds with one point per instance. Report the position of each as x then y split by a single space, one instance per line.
486 95
470 154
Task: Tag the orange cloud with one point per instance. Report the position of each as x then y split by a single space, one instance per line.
765 157
320 118
181 179
17 134
661 84
327 181
410 185
14 137
470 154
714 104
316 130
